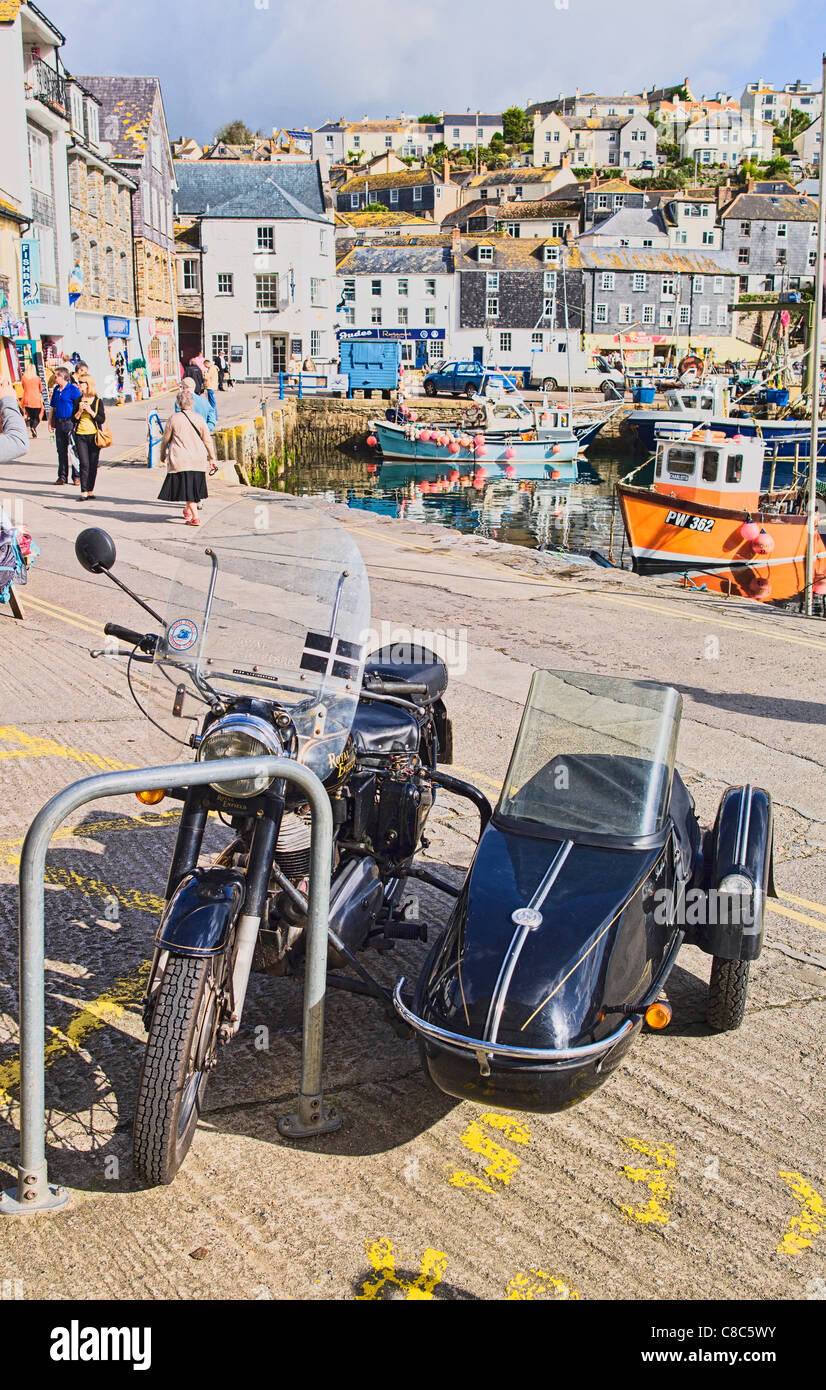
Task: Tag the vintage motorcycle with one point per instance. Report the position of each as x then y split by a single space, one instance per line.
574 908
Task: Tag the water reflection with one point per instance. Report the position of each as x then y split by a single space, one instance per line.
577 517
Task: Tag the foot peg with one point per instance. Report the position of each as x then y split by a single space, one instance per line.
406 931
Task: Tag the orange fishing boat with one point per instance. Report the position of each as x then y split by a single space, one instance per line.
706 519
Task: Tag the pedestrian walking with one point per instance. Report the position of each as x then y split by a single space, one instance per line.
223 369
65 397
200 404
211 382
90 418
32 398
194 372
13 439
187 449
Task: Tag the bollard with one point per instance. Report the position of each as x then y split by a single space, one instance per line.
34 1192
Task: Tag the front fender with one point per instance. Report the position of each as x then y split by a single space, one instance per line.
200 914
741 843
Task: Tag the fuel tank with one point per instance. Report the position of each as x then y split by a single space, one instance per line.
548 946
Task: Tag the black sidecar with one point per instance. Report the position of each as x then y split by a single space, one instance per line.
590 876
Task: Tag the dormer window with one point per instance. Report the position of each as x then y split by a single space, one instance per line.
77 110
92 122
485 253
552 254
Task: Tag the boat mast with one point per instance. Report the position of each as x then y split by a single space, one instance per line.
815 366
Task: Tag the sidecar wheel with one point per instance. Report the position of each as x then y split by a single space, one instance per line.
182 1039
727 990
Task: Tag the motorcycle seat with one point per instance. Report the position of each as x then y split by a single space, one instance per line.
379 727
403 662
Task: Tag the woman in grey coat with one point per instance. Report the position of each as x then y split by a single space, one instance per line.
14 437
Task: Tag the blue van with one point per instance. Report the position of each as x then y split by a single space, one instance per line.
465 379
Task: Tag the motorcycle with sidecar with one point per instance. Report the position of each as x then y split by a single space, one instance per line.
587 878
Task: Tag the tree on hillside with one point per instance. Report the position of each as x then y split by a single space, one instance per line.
777 167
429 119
515 126
234 133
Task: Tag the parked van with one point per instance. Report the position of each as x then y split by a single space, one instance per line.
589 370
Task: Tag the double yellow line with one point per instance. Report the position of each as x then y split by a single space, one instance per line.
64 615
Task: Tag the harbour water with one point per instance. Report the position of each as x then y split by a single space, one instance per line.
578 517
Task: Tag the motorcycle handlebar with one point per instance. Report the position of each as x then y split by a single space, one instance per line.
398 688
135 639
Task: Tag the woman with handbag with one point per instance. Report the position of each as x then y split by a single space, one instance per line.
91 435
187 449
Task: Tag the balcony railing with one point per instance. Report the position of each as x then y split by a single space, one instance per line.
48 86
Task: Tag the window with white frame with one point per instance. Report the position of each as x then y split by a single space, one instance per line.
40 161
388 142
402 288
606 280
505 341
92 123
600 313
743 255
485 253
348 293
781 230
355 200
537 342
708 236
492 282
722 315
220 344
430 288
435 350
697 284
225 282
394 195
266 291
315 342
402 313
189 276
705 315
417 193
719 284
638 283
265 238
375 288
317 295
375 315
745 229
668 287
552 255
648 313
430 316
548 307
666 317
492 307
685 315
812 259
549 281
77 111
558 229
624 313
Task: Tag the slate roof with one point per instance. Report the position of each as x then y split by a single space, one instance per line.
653 259
249 190
126 112
511 253
613 186
394 180
388 218
539 208
468 118
628 222
415 259
763 207
505 176
476 208
597 122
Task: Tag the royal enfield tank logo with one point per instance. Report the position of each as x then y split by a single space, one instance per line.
692 523
181 635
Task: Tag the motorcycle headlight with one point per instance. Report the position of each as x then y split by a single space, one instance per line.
240 736
738 885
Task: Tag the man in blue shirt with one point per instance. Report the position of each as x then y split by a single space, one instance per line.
65 397
201 405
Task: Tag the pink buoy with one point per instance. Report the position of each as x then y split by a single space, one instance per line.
414 414
763 544
510 453
453 475
481 473
510 471
424 487
371 441
481 450
555 449
425 436
454 446
819 586
478 440
555 473
749 531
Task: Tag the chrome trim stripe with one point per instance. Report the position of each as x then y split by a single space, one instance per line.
504 1050
500 992
743 822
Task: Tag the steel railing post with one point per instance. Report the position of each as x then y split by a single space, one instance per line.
33 1191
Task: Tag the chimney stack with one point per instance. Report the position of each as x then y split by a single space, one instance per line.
446 170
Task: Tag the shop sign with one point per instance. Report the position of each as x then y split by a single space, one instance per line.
30 272
393 335
116 327
236 353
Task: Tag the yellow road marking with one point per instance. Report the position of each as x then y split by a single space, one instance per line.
528 1283
87 832
51 610
502 1164
477 776
653 1175
94 888
32 746
382 1258
808 1223
106 1009
796 916
803 902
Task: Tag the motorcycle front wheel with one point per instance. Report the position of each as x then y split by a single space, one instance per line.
183 1037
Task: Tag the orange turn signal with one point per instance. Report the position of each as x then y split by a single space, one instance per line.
658 1015
151 798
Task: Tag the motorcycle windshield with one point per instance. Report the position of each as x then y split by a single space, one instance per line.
270 600
594 756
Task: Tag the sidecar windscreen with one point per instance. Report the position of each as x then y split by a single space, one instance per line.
594 756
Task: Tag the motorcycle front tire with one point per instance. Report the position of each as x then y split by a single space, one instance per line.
172 1083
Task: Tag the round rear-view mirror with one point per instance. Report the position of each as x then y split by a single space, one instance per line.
95 550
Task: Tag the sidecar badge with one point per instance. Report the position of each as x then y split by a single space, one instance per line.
527 917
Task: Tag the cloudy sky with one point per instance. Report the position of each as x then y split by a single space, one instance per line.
275 63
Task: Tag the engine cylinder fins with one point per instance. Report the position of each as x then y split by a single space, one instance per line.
293 852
